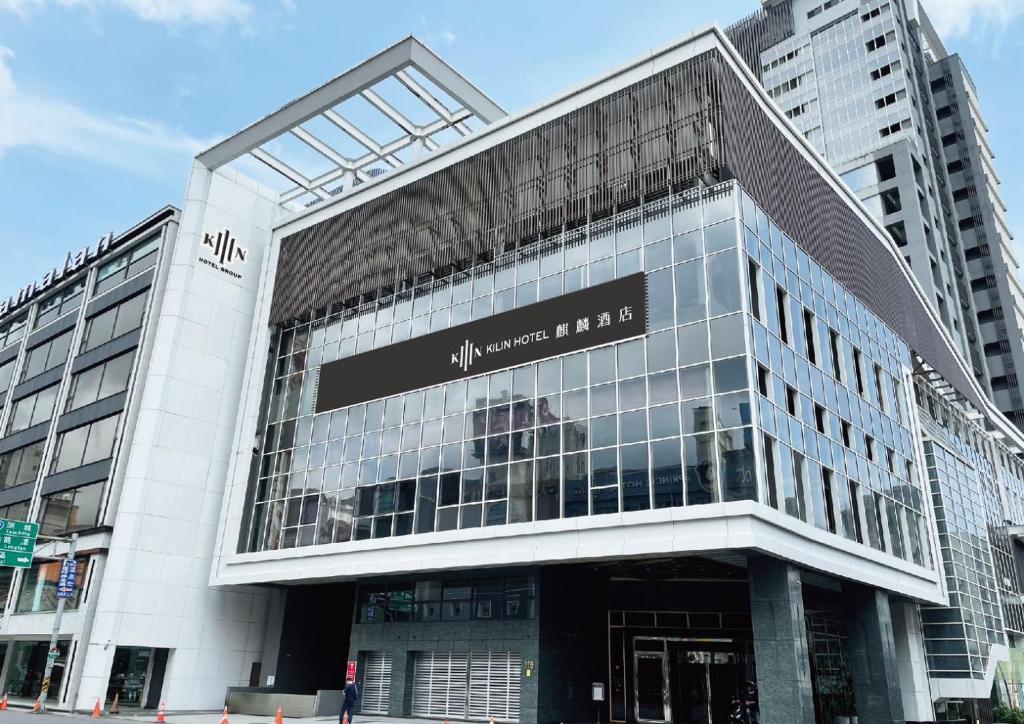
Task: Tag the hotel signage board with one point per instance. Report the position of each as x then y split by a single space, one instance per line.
590 317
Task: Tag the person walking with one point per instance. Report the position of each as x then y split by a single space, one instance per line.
348 704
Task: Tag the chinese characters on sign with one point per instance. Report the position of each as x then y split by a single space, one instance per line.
597 315
17 543
67 580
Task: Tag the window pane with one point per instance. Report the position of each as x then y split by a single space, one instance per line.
100 445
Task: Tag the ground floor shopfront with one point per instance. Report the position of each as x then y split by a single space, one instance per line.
680 640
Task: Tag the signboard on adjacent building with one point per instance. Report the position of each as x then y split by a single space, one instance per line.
598 315
17 542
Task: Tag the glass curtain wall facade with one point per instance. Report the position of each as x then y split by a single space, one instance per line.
760 378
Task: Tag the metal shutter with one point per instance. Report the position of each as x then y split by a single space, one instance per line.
466 686
439 684
494 685
376 691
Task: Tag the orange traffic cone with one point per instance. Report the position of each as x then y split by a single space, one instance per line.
38 705
160 718
224 716
96 711
279 719
3 702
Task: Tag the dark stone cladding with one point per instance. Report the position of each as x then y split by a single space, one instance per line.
696 120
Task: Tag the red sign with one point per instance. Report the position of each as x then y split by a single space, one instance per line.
350 674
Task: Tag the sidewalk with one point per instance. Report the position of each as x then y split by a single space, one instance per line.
25 716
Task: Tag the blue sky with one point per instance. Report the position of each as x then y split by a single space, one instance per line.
104 102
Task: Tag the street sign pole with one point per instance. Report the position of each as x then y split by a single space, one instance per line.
62 597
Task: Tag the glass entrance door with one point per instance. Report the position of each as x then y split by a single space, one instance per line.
652 687
708 685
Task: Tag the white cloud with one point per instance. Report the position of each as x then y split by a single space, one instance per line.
135 145
961 18
168 12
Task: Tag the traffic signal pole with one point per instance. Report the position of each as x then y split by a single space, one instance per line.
52 652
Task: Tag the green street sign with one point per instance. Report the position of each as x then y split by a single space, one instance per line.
17 543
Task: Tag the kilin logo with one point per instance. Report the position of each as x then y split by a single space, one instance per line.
468 352
225 247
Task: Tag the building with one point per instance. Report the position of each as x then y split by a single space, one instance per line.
872 87
628 388
980 213
854 79
79 352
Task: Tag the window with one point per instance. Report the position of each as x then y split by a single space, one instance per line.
781 300
127 265
858 371
830 514
762 380
796 111
6 373
792 401
489 599
785 87
21 465
114 322
810 338
12 331
889 99
944 112
84 445
833 341
819 418
879 42
60 303
855 501
873 13
893 128
71 510
32 410
954 166
39 587
46 356
884 71
845 426
100 382
898 232
753 278
886 168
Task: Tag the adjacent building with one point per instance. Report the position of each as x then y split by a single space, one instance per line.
80 350
872 87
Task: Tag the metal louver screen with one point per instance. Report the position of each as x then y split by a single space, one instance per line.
376 683
494 685
478 686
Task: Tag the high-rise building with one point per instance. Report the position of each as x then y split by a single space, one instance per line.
980 214
872 87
